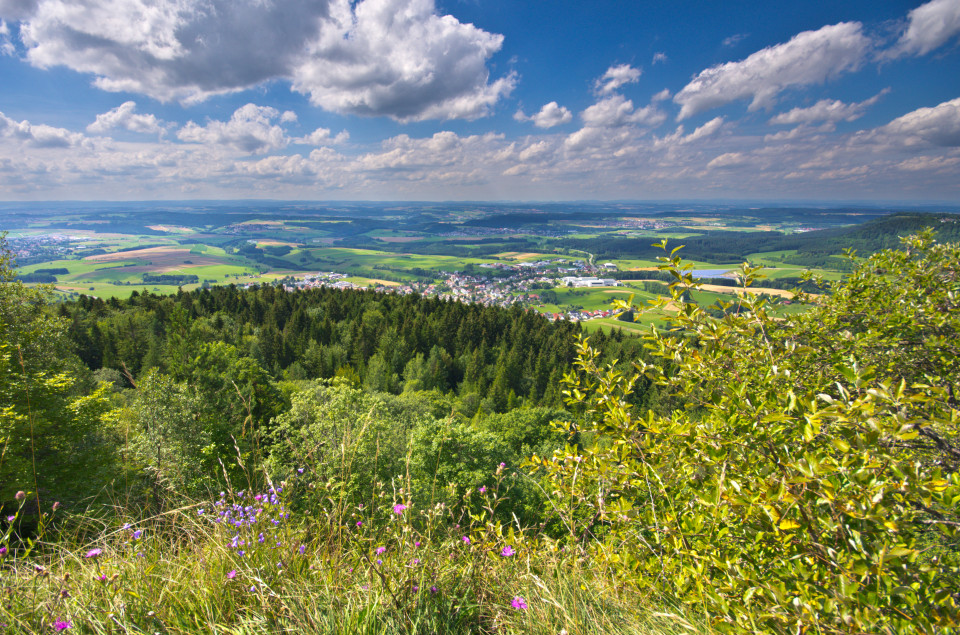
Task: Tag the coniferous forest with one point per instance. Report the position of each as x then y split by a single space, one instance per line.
260 460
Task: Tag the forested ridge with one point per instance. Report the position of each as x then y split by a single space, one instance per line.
814 248
385 342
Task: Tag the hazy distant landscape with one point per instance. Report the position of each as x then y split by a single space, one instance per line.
495 254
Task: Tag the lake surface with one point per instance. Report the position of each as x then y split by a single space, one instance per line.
709 273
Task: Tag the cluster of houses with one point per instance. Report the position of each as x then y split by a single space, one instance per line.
520 287
578 281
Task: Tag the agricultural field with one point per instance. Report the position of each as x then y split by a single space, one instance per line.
497 254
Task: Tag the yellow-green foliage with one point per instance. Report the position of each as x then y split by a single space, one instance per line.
810 482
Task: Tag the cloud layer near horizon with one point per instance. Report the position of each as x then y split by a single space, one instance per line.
607 155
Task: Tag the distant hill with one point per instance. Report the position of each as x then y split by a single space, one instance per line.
813 247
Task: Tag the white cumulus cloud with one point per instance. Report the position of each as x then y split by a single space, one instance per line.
617 76
937 126
550 115
124 116
928 164
832 110
677 138
810 57
400 59
929 26
728 160
38 135
6 46
663 95
394 58
250 129
323 136
617 110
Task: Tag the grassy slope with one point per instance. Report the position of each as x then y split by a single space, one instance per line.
192 569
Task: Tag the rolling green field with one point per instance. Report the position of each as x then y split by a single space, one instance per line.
108 252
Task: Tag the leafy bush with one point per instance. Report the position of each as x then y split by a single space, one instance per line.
810 482
49 425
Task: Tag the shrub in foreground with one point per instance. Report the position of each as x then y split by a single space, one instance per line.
811 483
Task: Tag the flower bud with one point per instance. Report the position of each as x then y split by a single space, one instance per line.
21 495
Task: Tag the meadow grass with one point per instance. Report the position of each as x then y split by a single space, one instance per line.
291 559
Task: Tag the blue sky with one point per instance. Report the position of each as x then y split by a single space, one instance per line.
479 100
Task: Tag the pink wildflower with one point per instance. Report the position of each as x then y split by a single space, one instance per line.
398 508
519 603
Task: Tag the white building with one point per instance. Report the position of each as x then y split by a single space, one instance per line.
576 281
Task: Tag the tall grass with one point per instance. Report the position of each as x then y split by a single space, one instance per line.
293 559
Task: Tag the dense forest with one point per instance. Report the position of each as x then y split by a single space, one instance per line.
492 358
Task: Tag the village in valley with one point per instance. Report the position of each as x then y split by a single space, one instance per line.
500 284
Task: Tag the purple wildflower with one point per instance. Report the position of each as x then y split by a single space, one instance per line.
466 540
20 495
299 470
3 551
398 508
416 544
434 590
359 523
93 553
61 625
507 551
483 489
137 534
519 603
232 574
381 550
302 549
379 561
